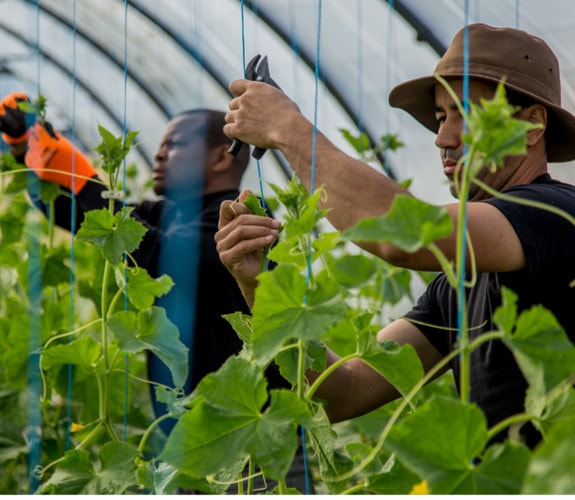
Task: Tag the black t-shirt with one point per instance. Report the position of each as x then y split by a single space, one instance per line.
548 240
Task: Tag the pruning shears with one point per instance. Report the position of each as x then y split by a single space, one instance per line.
257 70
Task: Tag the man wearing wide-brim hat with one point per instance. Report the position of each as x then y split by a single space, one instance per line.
525 249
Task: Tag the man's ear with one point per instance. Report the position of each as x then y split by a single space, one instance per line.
536 114
220 159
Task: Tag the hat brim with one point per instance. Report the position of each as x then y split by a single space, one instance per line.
417 97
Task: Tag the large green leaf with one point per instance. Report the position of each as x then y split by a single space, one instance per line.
285 307
551 469
352 270
440 442
76 475
400 365
388 478
152 330
115 234
229 414
410 224
83 352
543 351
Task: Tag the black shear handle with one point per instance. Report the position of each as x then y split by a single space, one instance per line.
257 153
235 147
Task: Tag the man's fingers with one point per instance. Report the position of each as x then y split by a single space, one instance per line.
229 210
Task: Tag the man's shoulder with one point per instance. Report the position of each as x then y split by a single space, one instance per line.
544 190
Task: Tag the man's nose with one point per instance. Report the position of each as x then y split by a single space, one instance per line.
449 134
160 152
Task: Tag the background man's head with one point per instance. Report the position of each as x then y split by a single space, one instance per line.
192 157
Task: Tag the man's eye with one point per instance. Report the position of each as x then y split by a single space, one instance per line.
440 119
174 143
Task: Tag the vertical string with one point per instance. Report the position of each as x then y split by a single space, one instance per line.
294 47
34 429
72 224
197 27
390 35
461 322
311 190
124 131
243 38
517 14
316 99
359 83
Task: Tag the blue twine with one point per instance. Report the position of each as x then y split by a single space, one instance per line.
390 34
312 188
316 98
34 430
461 294
124 130
72 227
360 66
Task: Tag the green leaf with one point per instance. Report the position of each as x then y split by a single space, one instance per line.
559 410
163 479
500 472
440 441
12 443
505 315
543 351
255 205
389 478
82 352
323 440
233 426
410 224
242 325
494 131
152 330
143 289
54 271
114 234
285 307
12 225
360 143
551 468
400 365
113 150
352 270
75 475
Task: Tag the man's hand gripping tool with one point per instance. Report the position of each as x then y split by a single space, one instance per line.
257 73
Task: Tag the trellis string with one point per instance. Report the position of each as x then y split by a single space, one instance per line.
461 313
72 225
34 430
124 165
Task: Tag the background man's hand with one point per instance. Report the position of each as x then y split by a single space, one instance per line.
241 240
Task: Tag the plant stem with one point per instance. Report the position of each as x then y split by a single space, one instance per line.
149 431
301 369
282 487
514 419
251 473
460 263
104 333
327 372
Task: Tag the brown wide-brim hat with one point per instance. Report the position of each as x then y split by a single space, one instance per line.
525 63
